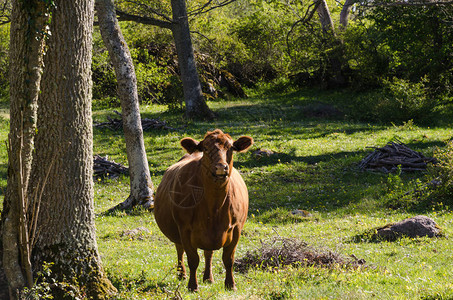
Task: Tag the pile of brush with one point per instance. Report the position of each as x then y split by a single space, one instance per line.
393 156
147 124
281 252
104 168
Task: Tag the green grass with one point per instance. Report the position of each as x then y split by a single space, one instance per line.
315 169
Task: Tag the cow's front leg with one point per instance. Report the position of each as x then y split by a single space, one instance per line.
192 259
181 268
207 276
228 260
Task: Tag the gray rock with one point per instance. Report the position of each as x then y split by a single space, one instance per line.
417 226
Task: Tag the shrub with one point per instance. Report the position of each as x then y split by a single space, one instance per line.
399 100
4 61
441 175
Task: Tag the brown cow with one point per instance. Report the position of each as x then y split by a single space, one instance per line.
202 202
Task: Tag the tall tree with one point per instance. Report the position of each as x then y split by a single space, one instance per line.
140 178
28 29
193 96
345 12
62 164
196 106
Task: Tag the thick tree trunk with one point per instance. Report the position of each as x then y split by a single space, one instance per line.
196 106
140 178
325 18
66 229
26 52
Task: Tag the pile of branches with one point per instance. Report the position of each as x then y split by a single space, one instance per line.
147 124
393 156
104 168
281 252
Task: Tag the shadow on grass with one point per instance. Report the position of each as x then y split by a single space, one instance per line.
279 158
326 182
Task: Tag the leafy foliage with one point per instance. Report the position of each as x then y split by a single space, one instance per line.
412 43
4 61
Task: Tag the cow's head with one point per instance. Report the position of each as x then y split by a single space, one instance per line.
217 148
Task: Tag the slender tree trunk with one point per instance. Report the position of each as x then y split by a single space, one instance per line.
140 179
344 14
64 137
193 96
28 21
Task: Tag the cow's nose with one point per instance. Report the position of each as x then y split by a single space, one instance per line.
221 169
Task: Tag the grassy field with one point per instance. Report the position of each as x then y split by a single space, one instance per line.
314 168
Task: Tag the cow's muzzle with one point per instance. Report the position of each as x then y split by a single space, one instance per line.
221 171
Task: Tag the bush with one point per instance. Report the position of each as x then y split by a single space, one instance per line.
407 42
103 74
441 175
4 61
248 39
155 83
399 100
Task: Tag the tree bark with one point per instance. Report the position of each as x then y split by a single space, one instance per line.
196 106
140 178
325 18
344 14
64 137
26 52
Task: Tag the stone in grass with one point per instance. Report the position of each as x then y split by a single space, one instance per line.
302 213
137 233
263 152
418 226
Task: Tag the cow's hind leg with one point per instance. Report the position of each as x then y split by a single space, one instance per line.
181 268
207 276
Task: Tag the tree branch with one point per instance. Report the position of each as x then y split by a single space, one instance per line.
123 16
147 9
411 3
304 20
205 8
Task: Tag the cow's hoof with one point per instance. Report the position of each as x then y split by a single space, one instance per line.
193 289
208 280
231 287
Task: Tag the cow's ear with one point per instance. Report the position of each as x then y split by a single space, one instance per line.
242 143
191 145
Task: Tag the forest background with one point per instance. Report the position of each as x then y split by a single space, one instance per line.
396 60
